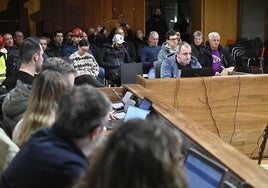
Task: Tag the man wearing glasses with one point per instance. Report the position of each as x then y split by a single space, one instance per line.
181 59
170 46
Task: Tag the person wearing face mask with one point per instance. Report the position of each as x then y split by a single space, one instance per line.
110 58
156 23
182 59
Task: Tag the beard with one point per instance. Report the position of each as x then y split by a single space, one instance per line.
157 16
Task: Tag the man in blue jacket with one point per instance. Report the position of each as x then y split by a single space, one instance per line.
181 59
56 156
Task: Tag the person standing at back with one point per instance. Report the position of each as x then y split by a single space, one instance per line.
156 23
15 102
56 156
215 55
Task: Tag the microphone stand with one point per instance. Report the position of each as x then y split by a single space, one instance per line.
263 144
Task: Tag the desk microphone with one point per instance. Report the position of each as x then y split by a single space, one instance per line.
117 94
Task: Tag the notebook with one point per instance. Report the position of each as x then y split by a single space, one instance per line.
205 71
202 171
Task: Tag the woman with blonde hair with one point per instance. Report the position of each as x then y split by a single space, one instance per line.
46 93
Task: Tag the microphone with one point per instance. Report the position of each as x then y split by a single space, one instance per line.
117 94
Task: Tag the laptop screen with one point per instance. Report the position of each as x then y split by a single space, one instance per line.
205 71
145 104
135 112
202 171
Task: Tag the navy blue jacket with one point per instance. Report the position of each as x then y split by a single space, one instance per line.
46 160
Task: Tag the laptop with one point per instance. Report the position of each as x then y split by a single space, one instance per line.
129 72
202 171
205 71
131 113
136 112
145 104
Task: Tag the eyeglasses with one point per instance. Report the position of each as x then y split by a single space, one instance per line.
83 49
174 39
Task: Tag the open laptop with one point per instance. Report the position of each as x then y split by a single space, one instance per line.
145 104
129 72
136 112
202 171
131 113
205 71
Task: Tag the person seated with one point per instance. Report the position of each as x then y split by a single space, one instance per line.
139 43
198 43
56 156
182 59
86 66
48 87
141 153
215 55
8 151
56 47
128 44
149 54
170 46
16 100
111 56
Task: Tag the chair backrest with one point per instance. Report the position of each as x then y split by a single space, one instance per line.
129 72
157 69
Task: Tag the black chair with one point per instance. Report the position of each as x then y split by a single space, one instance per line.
157 69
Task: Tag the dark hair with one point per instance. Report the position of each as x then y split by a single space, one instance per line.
83 42
138 154
59 64
56 32
28 48
81 110
170 33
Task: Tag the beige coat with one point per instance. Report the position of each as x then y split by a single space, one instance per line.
8 150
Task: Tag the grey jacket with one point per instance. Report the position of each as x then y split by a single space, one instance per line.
164 52
14 105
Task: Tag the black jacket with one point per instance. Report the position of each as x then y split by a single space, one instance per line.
205 56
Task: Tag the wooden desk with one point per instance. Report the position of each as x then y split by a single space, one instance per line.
233 107
229 156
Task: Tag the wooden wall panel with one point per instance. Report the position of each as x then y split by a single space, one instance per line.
221 16
233 105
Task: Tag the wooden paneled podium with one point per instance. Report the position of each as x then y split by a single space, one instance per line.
222 116
233 107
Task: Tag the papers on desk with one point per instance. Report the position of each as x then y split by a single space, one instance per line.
227 71
119 115
117 105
